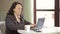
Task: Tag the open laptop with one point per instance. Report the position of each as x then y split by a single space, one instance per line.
39 24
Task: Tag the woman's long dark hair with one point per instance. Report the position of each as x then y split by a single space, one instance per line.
11 12
12 7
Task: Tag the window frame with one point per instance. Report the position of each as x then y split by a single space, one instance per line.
56 12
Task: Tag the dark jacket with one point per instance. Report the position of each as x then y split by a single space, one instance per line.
12 25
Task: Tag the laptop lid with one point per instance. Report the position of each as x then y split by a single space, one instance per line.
40 23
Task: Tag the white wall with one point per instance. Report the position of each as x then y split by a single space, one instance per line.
28 10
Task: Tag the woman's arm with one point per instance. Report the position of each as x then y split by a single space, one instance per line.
28 23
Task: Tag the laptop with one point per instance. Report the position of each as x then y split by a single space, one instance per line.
39 24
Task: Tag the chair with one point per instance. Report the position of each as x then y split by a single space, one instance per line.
0 32
2 27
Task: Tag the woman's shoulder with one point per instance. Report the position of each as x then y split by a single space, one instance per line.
10 16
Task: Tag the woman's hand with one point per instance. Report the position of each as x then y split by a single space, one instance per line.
32 25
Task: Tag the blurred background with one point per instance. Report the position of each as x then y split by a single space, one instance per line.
6 4
34 9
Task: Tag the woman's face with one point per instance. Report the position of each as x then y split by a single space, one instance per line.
18 9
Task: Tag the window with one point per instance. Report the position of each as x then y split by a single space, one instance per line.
49 17
45 4
46 9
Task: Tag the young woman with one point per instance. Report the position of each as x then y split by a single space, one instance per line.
14 19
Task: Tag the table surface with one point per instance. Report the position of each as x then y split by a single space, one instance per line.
44 31
32 32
